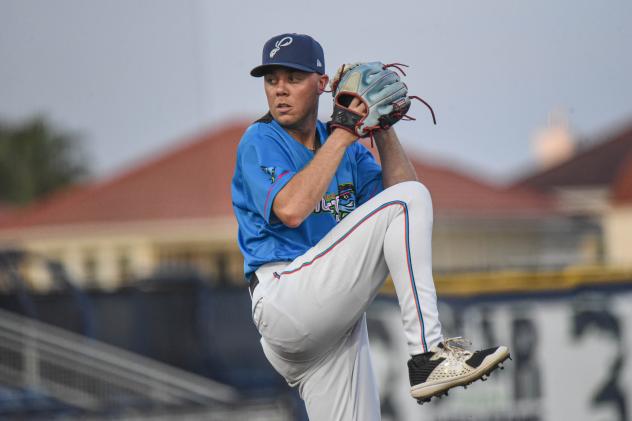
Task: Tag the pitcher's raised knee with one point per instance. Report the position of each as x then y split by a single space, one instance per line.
415 194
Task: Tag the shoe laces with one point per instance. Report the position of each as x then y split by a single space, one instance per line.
457 346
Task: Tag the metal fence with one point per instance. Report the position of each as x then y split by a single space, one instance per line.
72 376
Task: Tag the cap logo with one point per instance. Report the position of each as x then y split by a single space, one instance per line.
318 63
283 42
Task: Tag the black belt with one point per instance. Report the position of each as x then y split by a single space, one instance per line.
254 281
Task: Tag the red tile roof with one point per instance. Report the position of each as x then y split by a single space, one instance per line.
6 211
193 181
456 192
598 165
622 189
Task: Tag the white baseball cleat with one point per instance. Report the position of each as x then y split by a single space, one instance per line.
449 364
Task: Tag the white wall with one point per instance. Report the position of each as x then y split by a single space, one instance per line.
564 352
618 235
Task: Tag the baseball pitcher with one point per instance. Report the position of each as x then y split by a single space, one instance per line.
321 225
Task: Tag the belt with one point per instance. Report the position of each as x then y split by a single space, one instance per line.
254 281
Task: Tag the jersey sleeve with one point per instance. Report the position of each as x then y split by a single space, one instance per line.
265 170
369 174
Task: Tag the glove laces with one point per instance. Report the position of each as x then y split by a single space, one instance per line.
397 66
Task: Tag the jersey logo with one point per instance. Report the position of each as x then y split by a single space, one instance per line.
271 171
338 205
283 42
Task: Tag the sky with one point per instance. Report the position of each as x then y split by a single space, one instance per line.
135 77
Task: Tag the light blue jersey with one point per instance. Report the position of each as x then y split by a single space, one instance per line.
267 159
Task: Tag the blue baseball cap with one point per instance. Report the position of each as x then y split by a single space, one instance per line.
296 51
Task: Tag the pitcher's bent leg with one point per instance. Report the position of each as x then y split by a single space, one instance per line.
338 278
323 293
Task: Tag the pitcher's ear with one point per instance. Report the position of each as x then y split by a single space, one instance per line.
322 84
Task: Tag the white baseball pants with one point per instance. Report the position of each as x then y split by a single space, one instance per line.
310 312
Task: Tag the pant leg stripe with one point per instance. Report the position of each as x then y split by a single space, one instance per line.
413 285
343 237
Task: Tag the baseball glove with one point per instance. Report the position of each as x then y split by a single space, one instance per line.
381 90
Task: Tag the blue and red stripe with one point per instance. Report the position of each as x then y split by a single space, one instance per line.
265 205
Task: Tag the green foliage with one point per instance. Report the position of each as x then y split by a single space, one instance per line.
36 160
